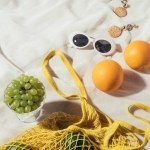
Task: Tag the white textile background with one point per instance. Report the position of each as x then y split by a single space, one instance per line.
29 29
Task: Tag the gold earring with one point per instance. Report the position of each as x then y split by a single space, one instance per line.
115 31
122 11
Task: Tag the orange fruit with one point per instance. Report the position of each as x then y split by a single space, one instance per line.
107 75
137 55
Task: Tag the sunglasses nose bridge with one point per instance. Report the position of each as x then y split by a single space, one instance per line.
91 38
91 41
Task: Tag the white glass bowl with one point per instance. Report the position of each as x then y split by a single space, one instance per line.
28 117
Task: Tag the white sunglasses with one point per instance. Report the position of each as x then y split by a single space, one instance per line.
80 40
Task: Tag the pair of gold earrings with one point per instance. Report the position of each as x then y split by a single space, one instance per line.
115 31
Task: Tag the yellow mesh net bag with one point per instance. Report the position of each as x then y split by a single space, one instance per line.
93 131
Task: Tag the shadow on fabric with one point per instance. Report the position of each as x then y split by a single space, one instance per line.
60 106
133 83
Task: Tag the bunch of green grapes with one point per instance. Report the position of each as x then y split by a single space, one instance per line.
24 94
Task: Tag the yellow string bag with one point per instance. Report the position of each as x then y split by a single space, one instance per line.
93 131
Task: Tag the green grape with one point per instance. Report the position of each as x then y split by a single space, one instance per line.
15 104
16 91
25 79
41 98
15 82
22 83
18 97
34 86
34 107
40 92
31 77
36 80
27 86
30 102
21 76
29 96
9 93
8 100
9 89
27 109
33 91
16 86
20 110
36 98
13 87
12 106
33 81
22 92
40 85
23 103
24 97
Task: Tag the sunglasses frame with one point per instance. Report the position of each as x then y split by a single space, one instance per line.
92 41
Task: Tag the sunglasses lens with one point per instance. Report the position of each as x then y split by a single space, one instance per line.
103 46
80 40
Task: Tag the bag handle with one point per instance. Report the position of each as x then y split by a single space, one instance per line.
132 108
146 132
45 68
89 112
